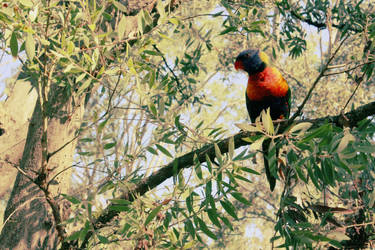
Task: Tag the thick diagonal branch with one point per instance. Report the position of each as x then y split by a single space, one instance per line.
187 160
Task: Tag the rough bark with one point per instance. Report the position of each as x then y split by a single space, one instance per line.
15 113
28 220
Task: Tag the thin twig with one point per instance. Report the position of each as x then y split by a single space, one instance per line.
320 76
166 64
358 81
348 70
113 92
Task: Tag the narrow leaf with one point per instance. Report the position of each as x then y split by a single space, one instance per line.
249 170
14 44
30 46
204 228
229 208
109 145
218 153
267 122
84 86
163 150
152 151
152 215
238 196
212 215
103 239
229 29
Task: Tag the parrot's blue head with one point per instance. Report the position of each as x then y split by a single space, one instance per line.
252 61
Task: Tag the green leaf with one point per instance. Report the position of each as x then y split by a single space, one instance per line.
120 201
153 109
226 222
152 215
191 80
189 227
30 46
125 229
238 196
178 124
164 150
72 199
328 171
300 174
152 151
240 177
84 231
73 236
209 163
217 14
153 53
198 171
369 149
102 125
204 228
229 208
109 145
313 177
213 216
14 44
209 188
174 20
249 170
108 186
119 208
103 239
240 155
229 29
189 203
319 132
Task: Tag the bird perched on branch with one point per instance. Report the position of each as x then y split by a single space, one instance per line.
266 88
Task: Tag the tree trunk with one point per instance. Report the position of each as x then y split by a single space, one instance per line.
15 114
28 220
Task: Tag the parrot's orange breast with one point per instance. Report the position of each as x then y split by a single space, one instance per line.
269 82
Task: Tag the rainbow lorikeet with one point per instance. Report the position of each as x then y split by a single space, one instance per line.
266 88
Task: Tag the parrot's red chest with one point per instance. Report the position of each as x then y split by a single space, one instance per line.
269 82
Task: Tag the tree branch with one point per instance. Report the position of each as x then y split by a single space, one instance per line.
320 76
320 25
187 160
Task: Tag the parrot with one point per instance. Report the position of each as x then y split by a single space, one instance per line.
266 88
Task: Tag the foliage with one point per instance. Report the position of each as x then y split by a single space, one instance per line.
157 85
